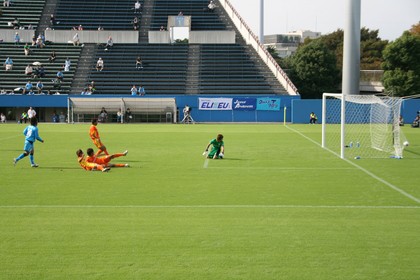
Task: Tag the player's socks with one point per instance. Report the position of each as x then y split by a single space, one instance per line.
31 159
119 165
20 157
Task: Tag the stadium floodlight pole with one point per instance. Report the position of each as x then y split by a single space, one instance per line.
262 22
351 59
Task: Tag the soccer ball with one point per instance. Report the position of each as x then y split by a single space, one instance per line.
406 143
221 155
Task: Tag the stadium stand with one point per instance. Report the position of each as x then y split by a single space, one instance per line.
15 78
108 14
164 71
27 12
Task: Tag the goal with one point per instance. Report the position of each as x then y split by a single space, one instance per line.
362 126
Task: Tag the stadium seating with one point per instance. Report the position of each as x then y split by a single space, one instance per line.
109 14
201 18
27 12
164 71
229 69
16 77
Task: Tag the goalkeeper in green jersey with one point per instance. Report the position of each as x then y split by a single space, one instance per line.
217 148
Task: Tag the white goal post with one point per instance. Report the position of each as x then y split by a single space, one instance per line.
79 108
362 126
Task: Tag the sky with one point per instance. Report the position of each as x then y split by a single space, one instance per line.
390 17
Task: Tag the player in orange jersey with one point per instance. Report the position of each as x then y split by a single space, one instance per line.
89 166
105 161
94 135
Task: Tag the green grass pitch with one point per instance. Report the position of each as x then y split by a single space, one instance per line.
277 207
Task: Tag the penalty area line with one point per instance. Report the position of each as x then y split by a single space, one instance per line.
404 193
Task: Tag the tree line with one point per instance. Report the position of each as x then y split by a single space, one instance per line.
316 67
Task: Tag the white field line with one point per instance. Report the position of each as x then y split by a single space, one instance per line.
209 206
406 194
282 168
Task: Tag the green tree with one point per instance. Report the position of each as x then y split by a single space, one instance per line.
314 70
402 65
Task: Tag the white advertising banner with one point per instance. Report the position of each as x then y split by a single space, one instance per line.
215 103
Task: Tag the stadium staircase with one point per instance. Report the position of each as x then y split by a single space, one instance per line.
85 66
44 22
146 20
193 78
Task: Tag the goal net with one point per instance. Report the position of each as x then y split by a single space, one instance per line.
83 109
362 126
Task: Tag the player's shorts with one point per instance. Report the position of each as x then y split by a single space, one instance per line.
103 160
214 152
98 143
29 146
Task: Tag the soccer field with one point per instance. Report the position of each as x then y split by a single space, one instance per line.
277 207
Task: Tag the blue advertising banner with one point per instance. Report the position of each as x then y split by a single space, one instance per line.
268 104
244 104
215 103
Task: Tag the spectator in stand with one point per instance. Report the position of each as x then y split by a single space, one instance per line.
142 91
136 23
109 43
52 57
27 49
29 70
56 84
52 20
80 28
16 23
39 72
30 27
67 64
60 75
134 90
8 64
162 28
76 40
92 86
6 3
39 87
139 63
211 6
33 40
100 28
39 43
17 39
27 88
137 7
100 65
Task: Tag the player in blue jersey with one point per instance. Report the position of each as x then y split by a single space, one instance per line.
31 135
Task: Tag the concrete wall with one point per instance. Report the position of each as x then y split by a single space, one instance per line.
8 35
212 37
64 36
196 37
